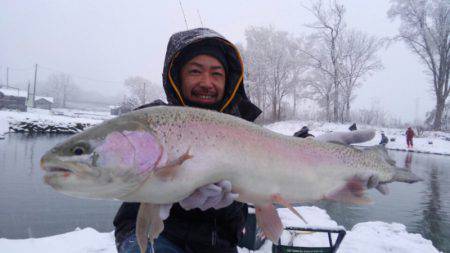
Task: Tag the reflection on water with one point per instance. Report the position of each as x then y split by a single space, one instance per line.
29 208
423 207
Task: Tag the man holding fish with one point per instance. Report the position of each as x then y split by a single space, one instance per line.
202 69
186 174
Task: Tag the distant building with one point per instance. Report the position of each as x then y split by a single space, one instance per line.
14 99
43 102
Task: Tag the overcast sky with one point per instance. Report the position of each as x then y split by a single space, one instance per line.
110 40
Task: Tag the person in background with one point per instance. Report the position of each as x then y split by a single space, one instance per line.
384 139
409 137
303 132
353 127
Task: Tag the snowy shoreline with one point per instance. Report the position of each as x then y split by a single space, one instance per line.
365 237
431 142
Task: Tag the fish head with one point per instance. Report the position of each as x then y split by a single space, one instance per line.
106 161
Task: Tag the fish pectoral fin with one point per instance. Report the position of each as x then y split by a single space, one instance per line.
148 225
276 198
383 189
269 221
168 171
351 192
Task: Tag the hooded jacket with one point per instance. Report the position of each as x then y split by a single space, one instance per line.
196 230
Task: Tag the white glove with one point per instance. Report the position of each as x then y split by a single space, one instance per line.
215 196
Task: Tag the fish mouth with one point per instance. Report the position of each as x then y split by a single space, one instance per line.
56 169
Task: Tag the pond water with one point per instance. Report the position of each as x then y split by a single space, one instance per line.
29 208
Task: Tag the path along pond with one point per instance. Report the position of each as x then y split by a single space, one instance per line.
29 208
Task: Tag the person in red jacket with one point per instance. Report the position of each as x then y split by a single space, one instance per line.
409 137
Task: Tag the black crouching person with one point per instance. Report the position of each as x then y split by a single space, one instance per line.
201 69
303 132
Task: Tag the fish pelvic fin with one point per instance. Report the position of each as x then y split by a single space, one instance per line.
169 171
269 221
352 192
276 198
148 225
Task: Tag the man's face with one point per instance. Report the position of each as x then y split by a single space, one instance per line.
203 80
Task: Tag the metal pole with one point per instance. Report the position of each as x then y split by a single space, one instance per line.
200 17
7 77
182 10
34 88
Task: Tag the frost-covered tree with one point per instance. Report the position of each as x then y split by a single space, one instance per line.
60 86
425 28
141 91
273 65
329 26
341 58
358 61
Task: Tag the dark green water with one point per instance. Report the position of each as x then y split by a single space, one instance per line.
29 208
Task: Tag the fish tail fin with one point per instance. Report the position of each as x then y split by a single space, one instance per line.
405 176
400 174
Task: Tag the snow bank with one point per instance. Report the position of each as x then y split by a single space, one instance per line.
433 142
64 118
79 241
364 237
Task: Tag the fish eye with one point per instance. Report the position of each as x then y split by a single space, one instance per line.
80 149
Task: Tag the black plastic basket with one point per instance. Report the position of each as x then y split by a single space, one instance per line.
332 248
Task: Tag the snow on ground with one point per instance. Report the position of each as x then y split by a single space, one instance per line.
62 117
364 237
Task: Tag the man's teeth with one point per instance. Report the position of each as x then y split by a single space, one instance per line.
205 97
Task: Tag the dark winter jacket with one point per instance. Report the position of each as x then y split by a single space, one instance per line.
195 230
303 133
384 139
409 133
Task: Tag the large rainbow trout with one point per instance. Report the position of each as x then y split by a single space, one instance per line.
160 155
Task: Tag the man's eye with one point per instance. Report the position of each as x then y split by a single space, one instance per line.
194 71
217 74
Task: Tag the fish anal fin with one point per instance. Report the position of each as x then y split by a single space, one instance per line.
169 170
277 198
269 221
352 192
148 225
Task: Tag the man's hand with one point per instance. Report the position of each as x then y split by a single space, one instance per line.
347 138
215 196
